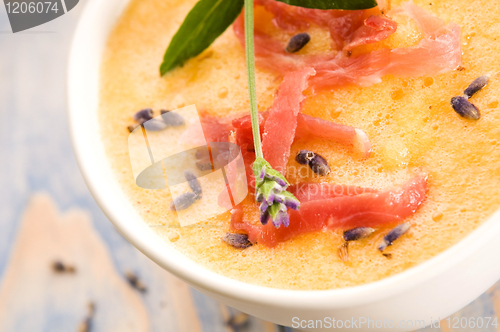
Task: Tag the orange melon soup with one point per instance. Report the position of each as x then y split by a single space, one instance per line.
385 122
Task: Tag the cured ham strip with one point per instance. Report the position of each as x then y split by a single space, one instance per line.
281 123
369 209
308 127
438 52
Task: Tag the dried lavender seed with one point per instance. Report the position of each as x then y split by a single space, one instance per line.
393 235
143 115
476 85
237 240
183 201
344 251
464 108
134 281
297 42
303 157
388 256
194 184
172 119
319 165
358 233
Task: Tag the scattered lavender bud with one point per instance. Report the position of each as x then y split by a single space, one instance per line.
143 115
237 240
476 85
319 165
358 233
464 108
343 252
204 165
172 119
183 201
297 42
194 184
303 157
60 267
393 235
135 282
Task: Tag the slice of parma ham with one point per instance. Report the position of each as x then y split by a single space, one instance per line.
369 208
281 123
438 52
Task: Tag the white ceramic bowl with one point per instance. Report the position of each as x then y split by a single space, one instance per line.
432 290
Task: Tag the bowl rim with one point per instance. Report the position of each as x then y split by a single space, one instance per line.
86 152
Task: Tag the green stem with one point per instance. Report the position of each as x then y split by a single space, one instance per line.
249 48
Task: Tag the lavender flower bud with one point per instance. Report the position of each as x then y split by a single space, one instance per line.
358 233
239 241
143 115
393 235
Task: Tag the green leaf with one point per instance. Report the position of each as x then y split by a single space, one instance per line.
332 4
205 22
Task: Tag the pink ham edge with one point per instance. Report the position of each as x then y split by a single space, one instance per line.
281 123
373 209
438 52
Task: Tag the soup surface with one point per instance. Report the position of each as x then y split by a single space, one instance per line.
409 121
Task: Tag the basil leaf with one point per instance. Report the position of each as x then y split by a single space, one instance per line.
205 22
332 4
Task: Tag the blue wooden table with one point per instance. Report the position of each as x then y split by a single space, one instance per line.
48 217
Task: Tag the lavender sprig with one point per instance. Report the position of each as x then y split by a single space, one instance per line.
270 185
270 192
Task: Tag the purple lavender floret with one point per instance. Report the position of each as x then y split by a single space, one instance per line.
270 199
143 115
293 204
271 193
239 241
263 207
259 198
278 181
285 220
262 174
264 217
